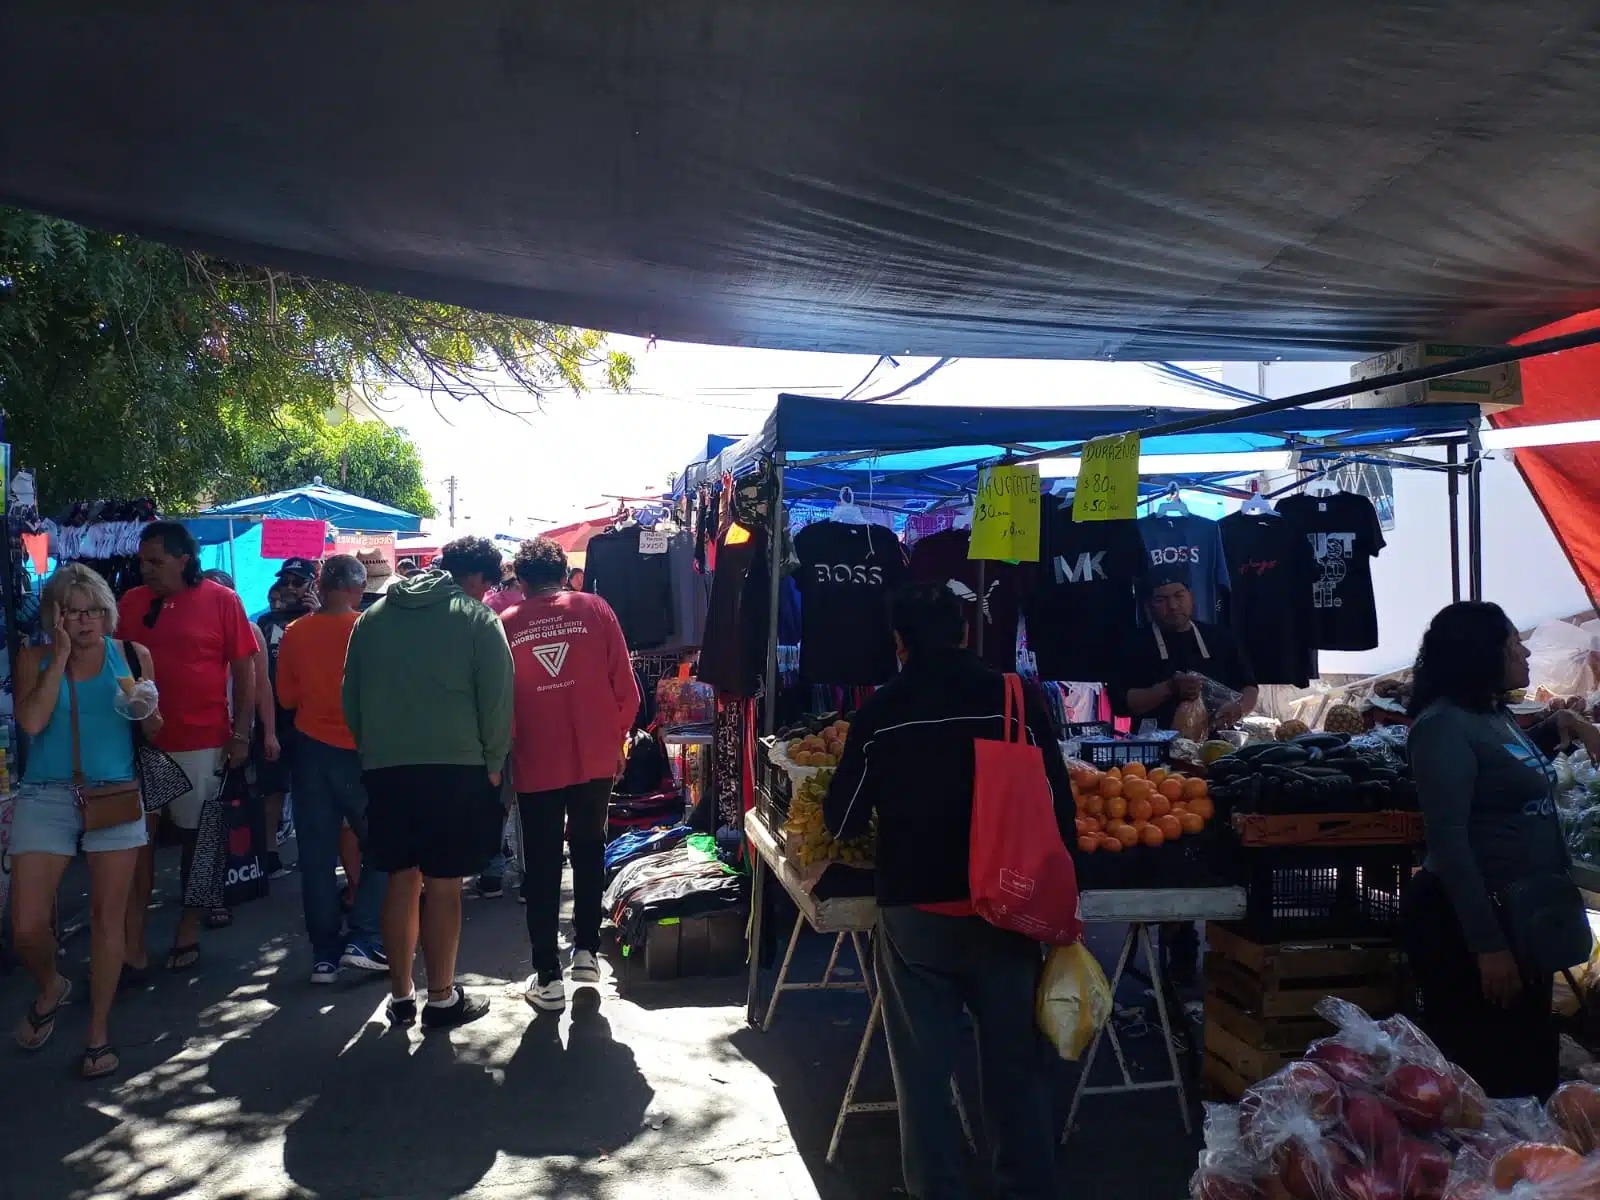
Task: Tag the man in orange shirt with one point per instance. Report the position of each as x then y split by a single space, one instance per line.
327 775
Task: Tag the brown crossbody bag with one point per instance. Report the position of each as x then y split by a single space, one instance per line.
110 803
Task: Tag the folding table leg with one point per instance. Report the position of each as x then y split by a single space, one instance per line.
1094 1046
1159 986
783 971
864 962
848 1104
752 995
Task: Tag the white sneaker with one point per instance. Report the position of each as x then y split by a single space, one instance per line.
550 997
585 967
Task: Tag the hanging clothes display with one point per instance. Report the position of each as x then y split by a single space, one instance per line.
733 656
1344 535
1270 603
637 585
1191 545
1081 606
691 594
846 574
990 592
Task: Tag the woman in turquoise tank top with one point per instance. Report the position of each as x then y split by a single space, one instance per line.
47 827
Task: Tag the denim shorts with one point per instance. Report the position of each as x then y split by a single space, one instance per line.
47 821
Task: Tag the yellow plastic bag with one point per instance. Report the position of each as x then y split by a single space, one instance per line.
1073 1001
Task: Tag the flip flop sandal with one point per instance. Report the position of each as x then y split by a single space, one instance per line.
44 1024
184 958
100 1061
219 918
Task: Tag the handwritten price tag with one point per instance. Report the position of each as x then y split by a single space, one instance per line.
652 541
1108 480
1005 517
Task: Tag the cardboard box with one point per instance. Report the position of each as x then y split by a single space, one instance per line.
1491 389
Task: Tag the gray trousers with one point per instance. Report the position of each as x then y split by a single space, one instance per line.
929 968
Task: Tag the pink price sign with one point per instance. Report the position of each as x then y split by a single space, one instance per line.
281 538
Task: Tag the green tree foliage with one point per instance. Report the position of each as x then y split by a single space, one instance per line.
129 367
364 457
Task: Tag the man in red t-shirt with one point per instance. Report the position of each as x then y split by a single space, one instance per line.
200 641
576 698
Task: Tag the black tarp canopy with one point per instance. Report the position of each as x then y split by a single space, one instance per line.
1141 179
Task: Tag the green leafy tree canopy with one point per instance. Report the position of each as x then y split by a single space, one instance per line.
128 367
367 458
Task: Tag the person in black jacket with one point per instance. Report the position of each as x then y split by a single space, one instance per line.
909 759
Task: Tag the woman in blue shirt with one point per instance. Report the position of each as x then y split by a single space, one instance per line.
47 826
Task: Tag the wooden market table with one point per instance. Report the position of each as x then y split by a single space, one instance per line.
854 916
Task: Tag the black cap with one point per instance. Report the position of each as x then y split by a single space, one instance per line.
298 566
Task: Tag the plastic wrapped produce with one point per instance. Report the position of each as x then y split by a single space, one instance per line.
1226 1170
1192 720
1287 1123
1575 1110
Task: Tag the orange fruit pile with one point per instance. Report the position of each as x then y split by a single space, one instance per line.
1131 806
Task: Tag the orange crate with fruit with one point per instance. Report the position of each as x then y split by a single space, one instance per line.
1147 816
1386 828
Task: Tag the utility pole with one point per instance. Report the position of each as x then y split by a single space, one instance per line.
450 487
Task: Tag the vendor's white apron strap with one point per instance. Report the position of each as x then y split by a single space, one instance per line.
1161 642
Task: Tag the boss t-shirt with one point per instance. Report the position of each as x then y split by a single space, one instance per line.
845 576
1345 537
1081 608
1190 548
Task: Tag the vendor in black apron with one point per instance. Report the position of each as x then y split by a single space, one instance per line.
1159 669
1163 660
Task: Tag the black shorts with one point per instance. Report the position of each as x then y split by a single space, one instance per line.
441 818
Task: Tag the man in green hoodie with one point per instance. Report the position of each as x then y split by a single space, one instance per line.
428 696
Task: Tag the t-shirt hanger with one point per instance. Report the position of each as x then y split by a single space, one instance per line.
846 512
1257 505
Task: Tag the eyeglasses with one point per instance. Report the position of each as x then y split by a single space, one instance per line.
155 611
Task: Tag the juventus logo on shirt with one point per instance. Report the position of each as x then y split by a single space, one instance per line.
551 656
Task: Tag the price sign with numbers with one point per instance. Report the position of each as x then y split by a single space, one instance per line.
1108 479
1005 516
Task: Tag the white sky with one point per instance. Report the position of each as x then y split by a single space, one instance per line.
520 477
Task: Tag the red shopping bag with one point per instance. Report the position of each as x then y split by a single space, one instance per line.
1020 871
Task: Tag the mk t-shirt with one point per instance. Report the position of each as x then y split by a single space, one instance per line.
846 574
990 592
1269 603
1188 548
1082 605
1344 535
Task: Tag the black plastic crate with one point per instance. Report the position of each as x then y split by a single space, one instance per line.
1152 752
773 788
1324 891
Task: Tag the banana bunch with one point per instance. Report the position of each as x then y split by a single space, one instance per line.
816 843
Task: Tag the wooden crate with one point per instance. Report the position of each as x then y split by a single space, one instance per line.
1221 1080
1389 828
1261 998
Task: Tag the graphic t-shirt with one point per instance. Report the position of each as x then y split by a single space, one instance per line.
575 693
846 573
1081 608
1269 603
1189 548
1345 537
991 605
198 634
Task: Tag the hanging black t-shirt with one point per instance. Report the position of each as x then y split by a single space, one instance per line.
1345 537
990 592
1140 665
638 587
845 576
1083 603
733 653
1269 604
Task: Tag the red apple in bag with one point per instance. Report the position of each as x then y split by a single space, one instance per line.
1374 1129
1345 1064
1358 1182
1421 1169
1421 1096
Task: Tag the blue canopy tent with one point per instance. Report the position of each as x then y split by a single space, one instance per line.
230 534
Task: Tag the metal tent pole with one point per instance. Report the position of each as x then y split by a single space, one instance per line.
1474 520
1453 458
769 724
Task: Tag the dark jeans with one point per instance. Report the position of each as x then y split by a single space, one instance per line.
327 793
929 967
582 809
1510 1052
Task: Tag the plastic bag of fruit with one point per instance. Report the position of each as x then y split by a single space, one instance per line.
1394 1060
1289 1124
1226 1171
1575 1111
1531 1171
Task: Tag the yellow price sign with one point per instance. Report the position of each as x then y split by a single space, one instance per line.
1005 516
1108 479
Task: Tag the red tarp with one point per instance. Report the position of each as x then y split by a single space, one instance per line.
1565 480
575 538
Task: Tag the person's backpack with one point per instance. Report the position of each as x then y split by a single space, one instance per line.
648 769
1019 871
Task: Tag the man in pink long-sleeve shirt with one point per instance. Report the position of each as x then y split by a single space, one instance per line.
576 699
